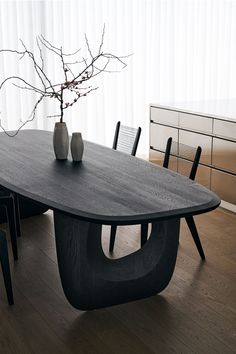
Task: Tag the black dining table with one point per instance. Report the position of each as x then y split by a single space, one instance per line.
106 187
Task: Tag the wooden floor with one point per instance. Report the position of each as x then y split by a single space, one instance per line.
195 314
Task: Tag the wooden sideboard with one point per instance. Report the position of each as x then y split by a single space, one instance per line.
214 132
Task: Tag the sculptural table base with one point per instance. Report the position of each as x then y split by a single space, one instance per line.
91 280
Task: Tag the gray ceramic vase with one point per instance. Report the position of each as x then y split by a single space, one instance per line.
61 141
77 147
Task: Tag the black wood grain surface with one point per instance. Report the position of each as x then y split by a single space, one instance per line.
106 187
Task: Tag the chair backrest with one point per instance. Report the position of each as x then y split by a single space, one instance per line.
167 153
126 139
187 152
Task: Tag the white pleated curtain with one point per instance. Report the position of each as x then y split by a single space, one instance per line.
183 50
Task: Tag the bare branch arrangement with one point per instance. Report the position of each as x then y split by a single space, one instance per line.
76 72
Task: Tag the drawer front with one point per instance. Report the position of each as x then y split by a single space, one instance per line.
194 122
159 135
164 116
158 158
224 129
203 175
224 154
224 185
194 140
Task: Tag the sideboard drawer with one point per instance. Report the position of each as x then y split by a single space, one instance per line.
224 129
203 175
164 116
159 135
195 122
158 158
195 140
224 154
224 184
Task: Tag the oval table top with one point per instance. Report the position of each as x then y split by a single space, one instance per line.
106 187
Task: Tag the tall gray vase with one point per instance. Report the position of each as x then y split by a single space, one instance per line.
77 147
61 141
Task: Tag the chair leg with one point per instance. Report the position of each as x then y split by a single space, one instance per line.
193 229
17 214
12 226
112 237
6 267
144 234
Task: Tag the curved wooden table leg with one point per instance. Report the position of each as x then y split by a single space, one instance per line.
91 280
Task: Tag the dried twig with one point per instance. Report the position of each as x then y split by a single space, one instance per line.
30 119
75 71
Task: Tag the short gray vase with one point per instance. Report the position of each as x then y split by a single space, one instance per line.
61 141
77 147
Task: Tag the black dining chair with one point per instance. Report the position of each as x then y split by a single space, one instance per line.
9 201
4 260
126 140
194 157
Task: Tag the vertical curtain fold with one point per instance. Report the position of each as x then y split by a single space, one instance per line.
181 51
